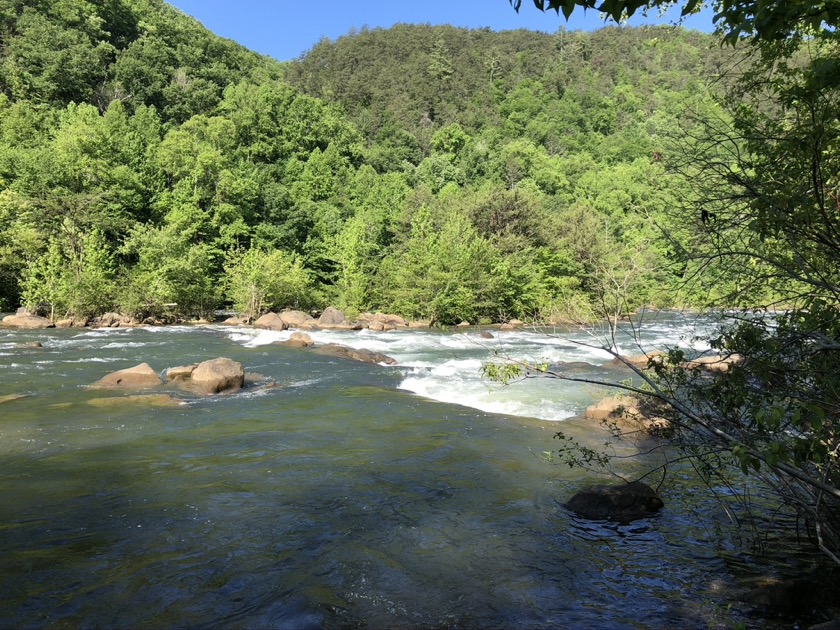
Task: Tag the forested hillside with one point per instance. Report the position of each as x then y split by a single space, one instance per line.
150 167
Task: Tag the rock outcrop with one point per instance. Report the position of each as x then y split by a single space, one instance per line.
271 321
218 376
138 377
621 503
29 322
365 356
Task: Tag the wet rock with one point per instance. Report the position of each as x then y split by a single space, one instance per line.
180 373
29 322
218 376
621 503
271 321
297 340
628 414
716 364
143 400
641 361
137 377
486 335
11 397
365 356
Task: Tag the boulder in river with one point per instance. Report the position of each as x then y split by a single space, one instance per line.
641 361
137 377
621 503
717 364
180 373
271 321
332 318
628 414
30 322
218 376
360 354
297 340
297 319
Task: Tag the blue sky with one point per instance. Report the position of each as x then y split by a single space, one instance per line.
285 29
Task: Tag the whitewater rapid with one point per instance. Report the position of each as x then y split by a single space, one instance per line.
448 366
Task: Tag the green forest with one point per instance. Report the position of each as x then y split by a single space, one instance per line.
152 168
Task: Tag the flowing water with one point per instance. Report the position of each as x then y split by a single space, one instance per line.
348 495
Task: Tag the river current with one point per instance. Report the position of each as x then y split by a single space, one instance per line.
348 495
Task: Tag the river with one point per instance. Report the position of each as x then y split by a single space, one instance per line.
349 495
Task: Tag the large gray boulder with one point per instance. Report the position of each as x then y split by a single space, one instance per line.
30 322
217 376
271 321
621 503
138 377
365 356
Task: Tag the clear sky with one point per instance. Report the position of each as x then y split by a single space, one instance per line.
285 29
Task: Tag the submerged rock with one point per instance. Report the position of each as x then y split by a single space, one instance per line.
218 376
137 377
365 356
30 345
148 400
622 503
11 397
